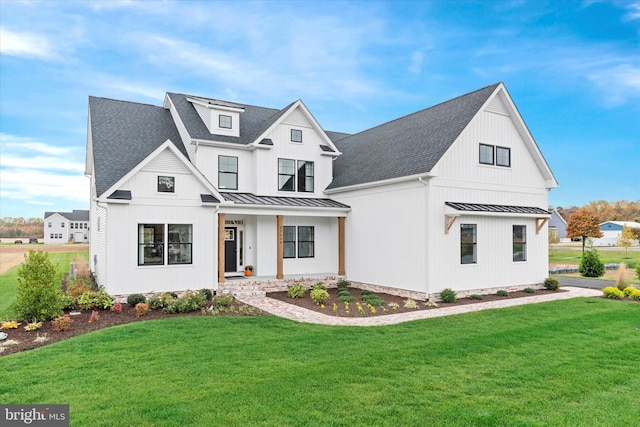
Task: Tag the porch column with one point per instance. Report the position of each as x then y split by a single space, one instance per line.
341 271
220 247
280 249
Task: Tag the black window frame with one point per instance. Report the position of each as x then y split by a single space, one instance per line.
305 179
497 157
466 245
283 173
306 244
298 135
166 184
289 235
227 173
154 246
220 125
177 242
519 243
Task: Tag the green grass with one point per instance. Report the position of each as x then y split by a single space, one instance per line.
563 363
632 259
9 280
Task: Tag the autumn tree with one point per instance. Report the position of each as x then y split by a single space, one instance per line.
583 223
625 239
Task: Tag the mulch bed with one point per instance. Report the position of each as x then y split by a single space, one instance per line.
340 311
81 326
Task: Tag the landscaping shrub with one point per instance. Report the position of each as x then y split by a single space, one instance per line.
343 292
117 307
551 283
78 286
634 295
192 301
343 284
628 290
39 293
159 301
296 291
448 295
346 298
95 300
62 323
134 299
142 308
68 302
612 292
11 324
206 293
319 295
319 285
365 292
502 293
33 326
621 280
410 303
373 300
591 265
223 301
529 290
476 296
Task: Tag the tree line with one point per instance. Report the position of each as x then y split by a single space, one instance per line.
622 210
21 227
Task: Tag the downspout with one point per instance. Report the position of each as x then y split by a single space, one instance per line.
425 202
106 212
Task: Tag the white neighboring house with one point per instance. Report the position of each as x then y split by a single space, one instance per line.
612 231
186 195
66 227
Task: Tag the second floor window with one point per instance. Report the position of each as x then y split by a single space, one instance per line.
224 121
228 172
291 173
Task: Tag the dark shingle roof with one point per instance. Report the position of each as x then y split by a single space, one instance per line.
76 215
252 199
406 146
336 136
123 134
253 121
475 207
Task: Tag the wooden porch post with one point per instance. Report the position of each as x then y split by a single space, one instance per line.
341 271
220 247
280 249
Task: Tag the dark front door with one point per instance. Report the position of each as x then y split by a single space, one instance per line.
230 249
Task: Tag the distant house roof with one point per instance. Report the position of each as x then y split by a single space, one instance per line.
620 224
75 215
125 133
410 145
475 207
252 199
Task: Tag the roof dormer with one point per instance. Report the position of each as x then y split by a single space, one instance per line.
220 117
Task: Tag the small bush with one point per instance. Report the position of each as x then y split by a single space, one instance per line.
11 324
223 301
394 306
95 316
530 290
319 285
365 292
68 302
296 291
33 326
343 284
117 307
448 295
476 296
410 303
343 292
319 295
142 308
134 299
502 293
159 301
62 323
621 280
373 300
79 286
551 283
591 265
346 298
634 295
192 301
628 290
95 300
612 292
206 293
39 293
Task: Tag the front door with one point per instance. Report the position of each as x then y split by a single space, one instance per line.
230 249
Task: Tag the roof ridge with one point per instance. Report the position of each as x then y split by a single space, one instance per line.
124 100
224 100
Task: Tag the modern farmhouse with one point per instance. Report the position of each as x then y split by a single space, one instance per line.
188 194
66 227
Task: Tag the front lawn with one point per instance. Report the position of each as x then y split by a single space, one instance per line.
568 257
560 363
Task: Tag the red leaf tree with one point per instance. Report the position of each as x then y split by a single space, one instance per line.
583 223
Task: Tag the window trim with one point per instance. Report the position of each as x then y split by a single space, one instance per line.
492 154
188 243
497 157
157 245
168 184
290 242
220 125
523 243
303 179
163 245
473 243
312 241
298 133
291 176
222 172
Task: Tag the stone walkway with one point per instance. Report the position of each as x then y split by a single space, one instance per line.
299 314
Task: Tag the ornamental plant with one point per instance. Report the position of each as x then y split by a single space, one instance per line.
39 293
410 303
612 292
296 291
33 326
62 323
117 307
634 295
591 265
475 296
448 295
621 277
319 295
502 293
95 316
11 324
551 283
134 299
142 308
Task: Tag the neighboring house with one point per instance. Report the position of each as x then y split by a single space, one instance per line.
66 227
185 195
557 222
612 231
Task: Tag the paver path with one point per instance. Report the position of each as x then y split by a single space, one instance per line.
299 314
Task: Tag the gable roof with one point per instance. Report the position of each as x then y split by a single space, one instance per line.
410 145
76 215
123 134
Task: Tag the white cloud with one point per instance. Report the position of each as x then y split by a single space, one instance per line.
26 44
415 66
29 185
617 84
633 11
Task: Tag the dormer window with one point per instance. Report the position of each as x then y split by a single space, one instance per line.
296 135
224 121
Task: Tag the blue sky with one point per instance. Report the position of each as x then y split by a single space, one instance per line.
572 68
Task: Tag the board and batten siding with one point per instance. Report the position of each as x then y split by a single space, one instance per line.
207 163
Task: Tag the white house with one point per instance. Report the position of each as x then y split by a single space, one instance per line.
185 195
612 230
66 227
